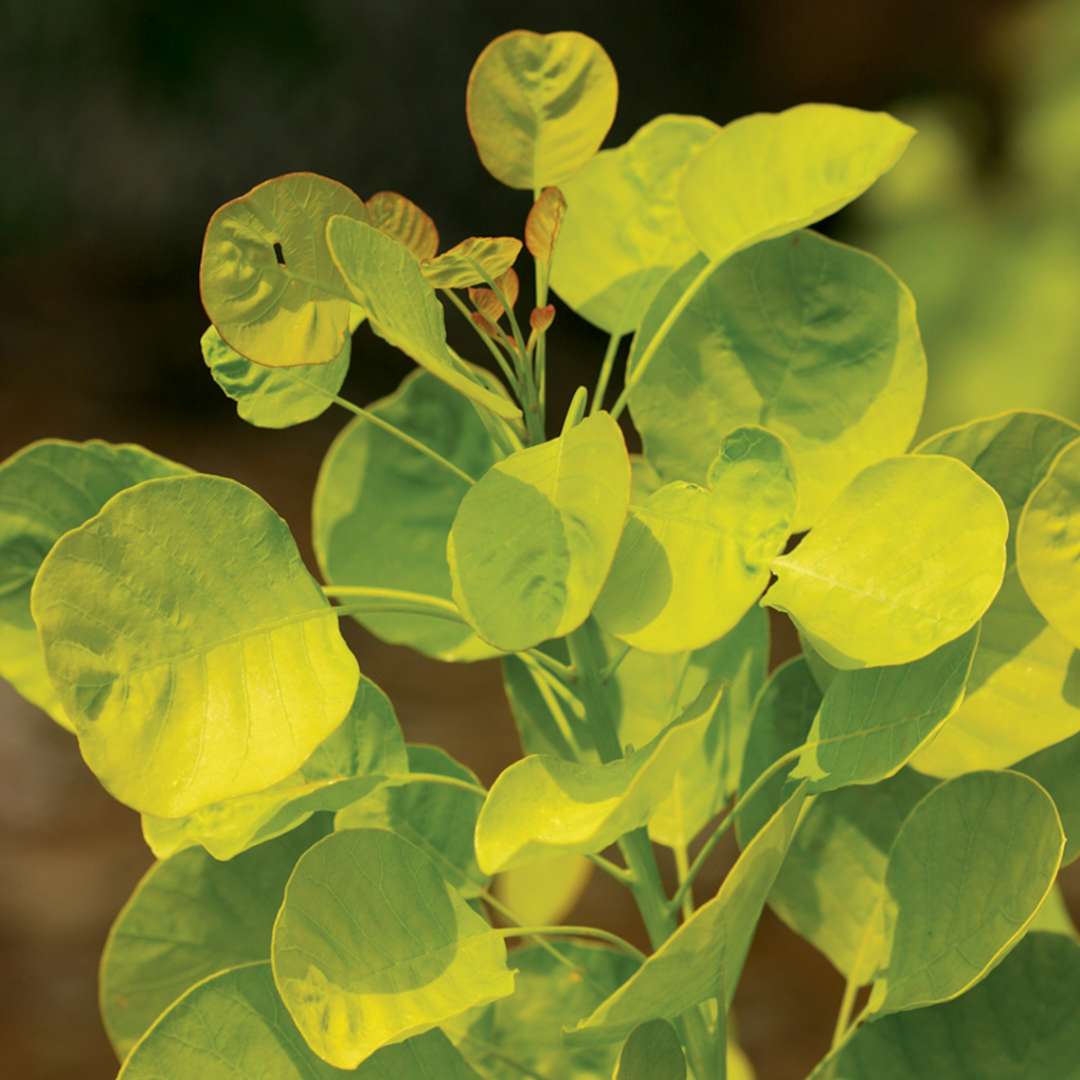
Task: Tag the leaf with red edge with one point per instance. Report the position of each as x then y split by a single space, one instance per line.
488 304
402 219
542 317
543 224
458 267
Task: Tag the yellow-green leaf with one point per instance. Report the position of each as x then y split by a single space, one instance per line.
402 219
467 263
544 893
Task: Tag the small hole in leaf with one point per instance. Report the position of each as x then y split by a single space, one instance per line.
279 254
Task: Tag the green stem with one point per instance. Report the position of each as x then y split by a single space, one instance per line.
567 674
699 1043
623 876
573 931
605 373
440 778
496 352
498 1055
373 599
843 1018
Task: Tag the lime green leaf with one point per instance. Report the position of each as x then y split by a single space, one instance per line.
382 513
357 757
968 870
692 560
542 806
539 105
544 223
544 893
534 540
438 818
385 279
267 280
46 489
458 267
1018 1022
188 918
274 397
768 174
705 956
872 721
1057 768
195 654
624 232
1048 545
653 1052
814 340
372 946
1053 917
402 219
908 558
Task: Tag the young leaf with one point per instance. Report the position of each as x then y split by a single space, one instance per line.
371 946
385 279
1020 1021
191 917
488 304
544 223
381 513
1048 543
539 105
768 174
274 397
534 540
544 893
196 663
814 340
624 232
234 1025
969 869
366 749
909 557
402 219
47 488
653 1052
705 956
542 806
692 560
457 268
267 280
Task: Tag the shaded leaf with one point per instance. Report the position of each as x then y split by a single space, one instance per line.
487 302
457 268
402 219
1057 768
653 1052
543 224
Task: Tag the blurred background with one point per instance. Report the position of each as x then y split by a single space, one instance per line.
126 123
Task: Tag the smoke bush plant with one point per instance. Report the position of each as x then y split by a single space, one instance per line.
904 792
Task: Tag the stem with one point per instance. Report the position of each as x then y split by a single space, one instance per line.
613 665
397 601
566 674
843 1019
605 373
492 348
679 850
448 781
573 931
498 1055
620 874
696 1036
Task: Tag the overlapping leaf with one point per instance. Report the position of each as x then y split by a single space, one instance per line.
544 224
544 893
402 219
653 1052
461 266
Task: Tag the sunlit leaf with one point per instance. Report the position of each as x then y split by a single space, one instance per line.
195 654
653 1052
267 280
372 946
191 917
366 749
402 219
544 223
544 893
908 558
382 511
47 488
539 105
692 560
386 280
811 339
457 268
770 173
534 540
624 231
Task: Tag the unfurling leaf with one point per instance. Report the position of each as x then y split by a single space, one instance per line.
541 318
402 219
487 302
543 224
467 263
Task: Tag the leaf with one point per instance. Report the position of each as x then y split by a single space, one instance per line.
191 917
544 893
266 277
705 956
458 267
540 714
909 557
234 1024
768 174
653 1052
539 105
815 341
1048 545
439 819
195 654
402 219
624 232
970 867
1053 917
542 806
386 280
356 758
371 946
1018 1022
381 512
46 489
1056 769
692 560
274 397
534 540
488 304
544 223
1023 694
872 721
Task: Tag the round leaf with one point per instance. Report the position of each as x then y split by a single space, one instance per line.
457 268
544 893
653 1052
402 219
195 654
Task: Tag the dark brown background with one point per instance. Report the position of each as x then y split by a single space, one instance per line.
124 125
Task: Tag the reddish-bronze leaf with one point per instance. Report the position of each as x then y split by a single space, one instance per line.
402 219
543 224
